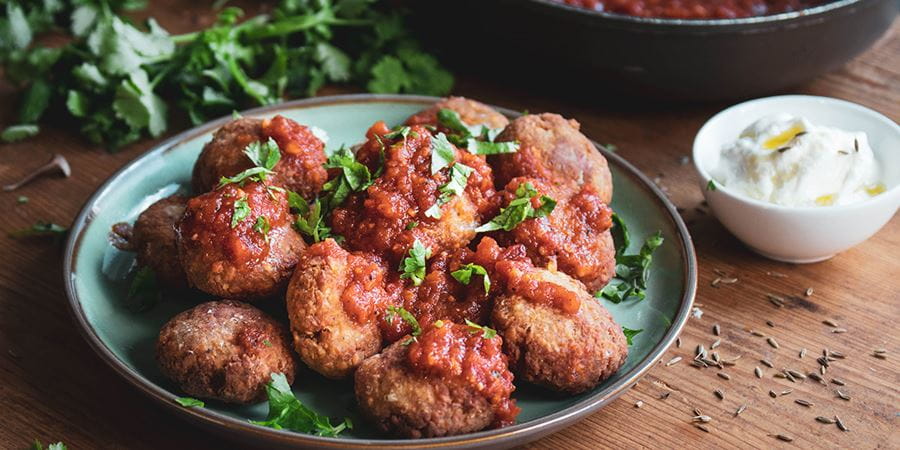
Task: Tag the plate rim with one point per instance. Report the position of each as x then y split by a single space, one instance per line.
518 433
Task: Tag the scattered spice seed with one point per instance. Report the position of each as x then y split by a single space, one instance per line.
842 395
758 372
780 375
719 393
789 376
740 409
664 395
830 323
715 357
803 403
776 274
786 391
772 394
772 342
723 375
809 292
770 323
776 300
704 419
879 355
802 352
673 361
678 342
767 363
837 355
697 412
728 280
784 437
818 378
702 427
717 330
757 333
824 419
838 381
715 283
796 374
698 363
822 370
840 424
715 344
839 330
879 350
638 403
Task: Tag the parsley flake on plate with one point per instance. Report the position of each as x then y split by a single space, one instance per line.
413 266
632 272
190 402
486 332
465 272
406 316
288 413
519 210
630 334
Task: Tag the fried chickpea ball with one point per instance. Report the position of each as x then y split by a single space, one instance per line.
224 350
575 237
153 239
301 168
553 150
555 333
450 380
239 242
333 302
396 210
470 111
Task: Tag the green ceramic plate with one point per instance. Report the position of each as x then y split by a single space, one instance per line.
95 282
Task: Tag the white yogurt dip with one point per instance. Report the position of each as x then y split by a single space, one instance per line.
789 161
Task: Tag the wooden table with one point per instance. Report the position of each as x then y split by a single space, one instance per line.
53 387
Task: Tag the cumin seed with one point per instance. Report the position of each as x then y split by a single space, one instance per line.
758 372
767 363
824 419
723 375
772 342
719 393
840 424
879 355
715 344
802 352
740 409
772 394
717 330
830 323
796 374
838 381
770 323
678 342
802 402
704 419
757 333
809 292
786 391
839 330
702 427
784 437
638 403
842 395
673 361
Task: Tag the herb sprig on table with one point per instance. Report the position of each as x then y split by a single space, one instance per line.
632 271
113 76
287 412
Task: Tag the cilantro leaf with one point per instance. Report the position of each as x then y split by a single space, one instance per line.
490 148
620 234
630 334
354 172
287 412
264 155
407 317
459 176
632 273
519 210
465 272
442 153
138 105
41 229
189 402
36 445
18 132
310 219
413 266
711 185
240 212
262 227
486 332
144 292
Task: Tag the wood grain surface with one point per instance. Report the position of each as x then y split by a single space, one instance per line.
53 387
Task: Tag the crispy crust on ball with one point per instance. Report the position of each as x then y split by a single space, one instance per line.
403 403
154 240
470 111
224 350
328 340
567 353
552 149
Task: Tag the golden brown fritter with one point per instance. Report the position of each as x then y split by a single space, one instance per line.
333 302
470 111
153 239
239 242
301 168
570 352
224 350
451 380
553 150
574 238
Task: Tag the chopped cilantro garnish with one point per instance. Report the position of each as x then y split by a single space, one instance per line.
41 229
287 412
412 225
491 148
632 273
711 185
620 234
610 148
486 332
144 292
519 210
478 140
267 343
442 153
465 272
57 446
413 266
262 227
354 172
189 402
401 131
407 317
310 220
264 157
630 334
241 211
22 200
459 175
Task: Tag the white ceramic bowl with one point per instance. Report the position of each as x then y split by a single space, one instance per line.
801 234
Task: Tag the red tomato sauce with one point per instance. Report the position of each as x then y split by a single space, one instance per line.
459 354
695 9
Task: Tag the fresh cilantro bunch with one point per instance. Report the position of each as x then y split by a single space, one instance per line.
632 271
113 76
287 412
519 210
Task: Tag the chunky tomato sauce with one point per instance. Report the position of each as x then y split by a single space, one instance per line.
207 221
459 354
301 168
695 9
